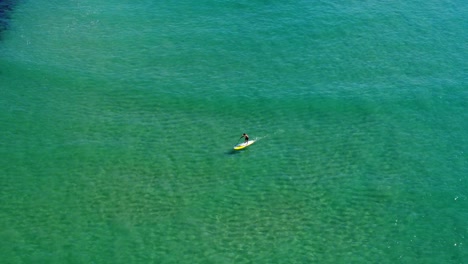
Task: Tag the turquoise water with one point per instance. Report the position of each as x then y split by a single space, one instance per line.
118 120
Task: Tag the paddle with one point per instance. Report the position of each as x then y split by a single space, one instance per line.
238 141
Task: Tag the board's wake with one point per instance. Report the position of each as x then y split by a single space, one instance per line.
267 135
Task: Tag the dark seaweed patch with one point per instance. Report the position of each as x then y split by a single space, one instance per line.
6 8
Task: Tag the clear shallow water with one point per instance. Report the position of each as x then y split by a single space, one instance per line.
118 121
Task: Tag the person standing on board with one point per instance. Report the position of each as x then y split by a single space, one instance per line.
246 137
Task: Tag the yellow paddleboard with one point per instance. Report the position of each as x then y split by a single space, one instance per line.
244 145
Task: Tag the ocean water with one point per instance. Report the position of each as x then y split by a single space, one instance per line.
118 118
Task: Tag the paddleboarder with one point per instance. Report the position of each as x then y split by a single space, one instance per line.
246 137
